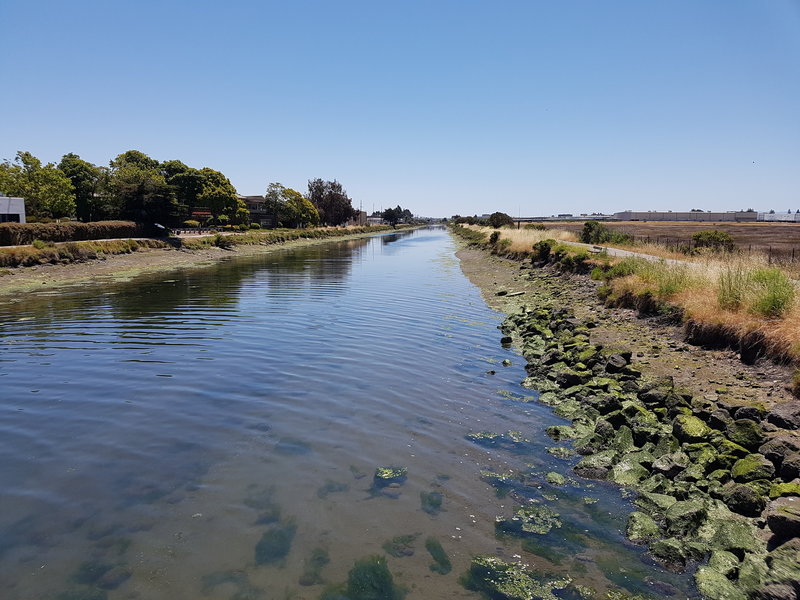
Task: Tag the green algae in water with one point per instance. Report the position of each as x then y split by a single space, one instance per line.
441 562
290 446
400 546
89 572
275 544
238 579
83 594
331 487
369 579
312 567
431 502
534 518
508 581
543 550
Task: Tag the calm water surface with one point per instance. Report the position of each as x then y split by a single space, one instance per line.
153 431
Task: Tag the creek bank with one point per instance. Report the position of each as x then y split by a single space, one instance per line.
715 475
190 253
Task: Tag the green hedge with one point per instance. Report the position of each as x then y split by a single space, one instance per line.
18 234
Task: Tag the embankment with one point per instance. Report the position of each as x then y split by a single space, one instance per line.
709 446
29 268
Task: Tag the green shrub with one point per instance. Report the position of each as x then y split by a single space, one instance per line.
225 242
536 226
494 237
732 287
499 219
19 234
191 223
39 244
716 240
773 294
541 250
594 232
255 226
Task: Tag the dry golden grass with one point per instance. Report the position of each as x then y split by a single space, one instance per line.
522 240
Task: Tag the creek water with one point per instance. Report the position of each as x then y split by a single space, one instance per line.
153 431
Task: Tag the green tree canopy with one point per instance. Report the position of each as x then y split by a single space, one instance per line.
220 197
86 179
140 191
290 207
331 201
46 190
500 219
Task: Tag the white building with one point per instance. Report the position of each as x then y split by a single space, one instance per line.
12 210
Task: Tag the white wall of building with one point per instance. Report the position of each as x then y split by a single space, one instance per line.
12 209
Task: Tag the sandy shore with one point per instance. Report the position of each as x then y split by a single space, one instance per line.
122 267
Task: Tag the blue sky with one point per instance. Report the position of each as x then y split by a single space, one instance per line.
442 107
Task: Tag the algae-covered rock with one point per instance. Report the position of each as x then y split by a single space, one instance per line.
752 572
628 473
790 467
743 499
746 433
641 528
779 490
441 562
685 517
385 476
738 537
783 517
653 503
623 440
670 552
783 563
751 468
723 562
275 544
312 567
560 452
671 464
556 479
533 518
690 429
715 586
595 466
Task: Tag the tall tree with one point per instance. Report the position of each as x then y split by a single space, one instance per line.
290 207
220 197
46 190
186 183
140 190
331 201
85 178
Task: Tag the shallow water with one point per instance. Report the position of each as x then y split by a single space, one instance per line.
153 431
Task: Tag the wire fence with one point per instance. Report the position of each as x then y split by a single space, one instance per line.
773 254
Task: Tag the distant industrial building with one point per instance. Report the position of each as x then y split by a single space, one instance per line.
723 217
12 210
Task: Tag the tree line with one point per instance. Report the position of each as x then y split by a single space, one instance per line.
139 188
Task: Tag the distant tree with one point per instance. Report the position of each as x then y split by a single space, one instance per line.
772 211
331 201
290 207
220 197
86 179
46 190
499 219
392 216
186 183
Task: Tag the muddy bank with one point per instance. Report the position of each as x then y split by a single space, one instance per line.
122 267
709 446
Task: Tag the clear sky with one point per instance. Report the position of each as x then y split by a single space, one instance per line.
443 107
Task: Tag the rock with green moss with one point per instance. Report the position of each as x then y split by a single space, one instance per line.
431 502
653 503
400 546
743 499
441 562
685 517
783 563
385 476
312 567
737 536
690 429
779 490
751 468
641 528
723 562
747 433
670 552
783 517
628 473
715 586
671 464
753 571
556 479
596 466
560 452
533 518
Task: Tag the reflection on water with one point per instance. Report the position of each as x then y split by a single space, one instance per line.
215 434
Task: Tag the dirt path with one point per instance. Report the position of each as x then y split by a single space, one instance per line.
658 349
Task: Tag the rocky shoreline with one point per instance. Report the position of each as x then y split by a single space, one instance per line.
716 474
